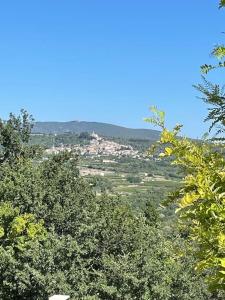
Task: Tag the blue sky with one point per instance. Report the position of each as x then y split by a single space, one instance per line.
107 61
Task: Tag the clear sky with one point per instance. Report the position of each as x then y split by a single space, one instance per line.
107 60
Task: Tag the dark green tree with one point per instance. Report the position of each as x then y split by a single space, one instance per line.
14 138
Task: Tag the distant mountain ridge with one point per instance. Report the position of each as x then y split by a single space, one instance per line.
103 129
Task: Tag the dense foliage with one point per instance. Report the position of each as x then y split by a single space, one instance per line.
57 236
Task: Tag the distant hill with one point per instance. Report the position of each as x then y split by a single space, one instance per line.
103 129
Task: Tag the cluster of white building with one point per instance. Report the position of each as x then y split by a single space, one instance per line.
98 147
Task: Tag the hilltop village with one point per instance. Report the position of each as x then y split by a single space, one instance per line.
98 147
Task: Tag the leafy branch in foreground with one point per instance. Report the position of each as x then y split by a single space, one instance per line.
214 95
201 200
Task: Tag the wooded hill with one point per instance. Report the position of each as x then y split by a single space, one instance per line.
103 129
